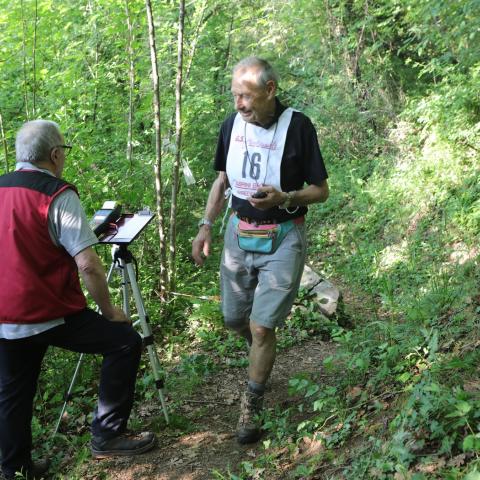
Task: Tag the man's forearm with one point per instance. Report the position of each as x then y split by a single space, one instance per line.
216 200
93 275
310 194
97 287
216 197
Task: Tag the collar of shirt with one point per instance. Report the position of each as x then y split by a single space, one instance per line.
279 109
31 166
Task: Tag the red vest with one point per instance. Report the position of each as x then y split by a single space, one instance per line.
38 280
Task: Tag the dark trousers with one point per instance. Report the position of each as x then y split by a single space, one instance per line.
20 362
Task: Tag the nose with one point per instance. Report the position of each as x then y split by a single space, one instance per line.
238 102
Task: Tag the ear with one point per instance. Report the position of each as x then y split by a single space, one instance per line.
271 89
56 161
54 155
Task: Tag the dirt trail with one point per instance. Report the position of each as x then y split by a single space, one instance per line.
213 411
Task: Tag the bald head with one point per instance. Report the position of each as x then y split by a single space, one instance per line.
35 141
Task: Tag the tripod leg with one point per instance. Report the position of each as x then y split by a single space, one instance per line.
147 337
125 283
68 395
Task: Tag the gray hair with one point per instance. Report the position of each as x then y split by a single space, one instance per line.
36 139
266 74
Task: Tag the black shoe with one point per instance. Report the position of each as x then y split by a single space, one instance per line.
36 471
249 427
126 444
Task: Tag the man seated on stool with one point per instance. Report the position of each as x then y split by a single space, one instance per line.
45 241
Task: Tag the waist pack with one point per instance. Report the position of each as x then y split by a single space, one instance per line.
260 238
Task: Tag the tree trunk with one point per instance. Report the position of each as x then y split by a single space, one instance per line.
34 87
198 30
24 50
93 69
178 146
158 146
193 47
4 142
131 76
226 57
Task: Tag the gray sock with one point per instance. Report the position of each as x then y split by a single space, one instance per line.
257 388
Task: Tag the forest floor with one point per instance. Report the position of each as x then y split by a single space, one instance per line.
212 411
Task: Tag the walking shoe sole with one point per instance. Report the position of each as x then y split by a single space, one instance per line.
99 454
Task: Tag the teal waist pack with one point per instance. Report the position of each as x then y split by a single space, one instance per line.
260 238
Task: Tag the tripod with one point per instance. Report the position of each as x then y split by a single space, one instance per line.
122 259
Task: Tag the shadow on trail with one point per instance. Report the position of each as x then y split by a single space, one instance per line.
212 411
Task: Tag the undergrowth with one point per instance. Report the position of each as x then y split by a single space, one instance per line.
400 235
400 232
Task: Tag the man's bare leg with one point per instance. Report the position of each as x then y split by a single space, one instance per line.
262 353
262 358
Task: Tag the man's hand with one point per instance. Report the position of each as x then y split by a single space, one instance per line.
116 314
201 244
215 203
273 198
305 196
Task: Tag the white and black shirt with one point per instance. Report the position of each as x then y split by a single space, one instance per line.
284 154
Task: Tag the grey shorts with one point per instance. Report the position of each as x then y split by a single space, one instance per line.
261 287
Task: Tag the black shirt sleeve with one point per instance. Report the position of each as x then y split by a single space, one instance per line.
302 160
314 167
302 163
220 163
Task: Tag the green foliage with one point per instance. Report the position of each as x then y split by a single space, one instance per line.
400 228
392 87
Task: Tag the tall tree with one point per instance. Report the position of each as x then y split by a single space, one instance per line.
178 146
34 57
24 59
4 142
158 150
131 84
202 21
94 68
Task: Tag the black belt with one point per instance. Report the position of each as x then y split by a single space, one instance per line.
267 222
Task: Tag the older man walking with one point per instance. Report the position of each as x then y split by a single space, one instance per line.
266 153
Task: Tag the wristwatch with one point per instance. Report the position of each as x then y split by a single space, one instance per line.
205 221
288 200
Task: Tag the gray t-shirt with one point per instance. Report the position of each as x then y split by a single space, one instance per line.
68 227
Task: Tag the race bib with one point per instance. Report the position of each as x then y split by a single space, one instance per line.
255 155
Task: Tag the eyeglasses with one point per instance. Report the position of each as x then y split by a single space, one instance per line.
66 149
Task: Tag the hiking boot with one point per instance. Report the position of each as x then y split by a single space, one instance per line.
36 471
123 445
248 427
